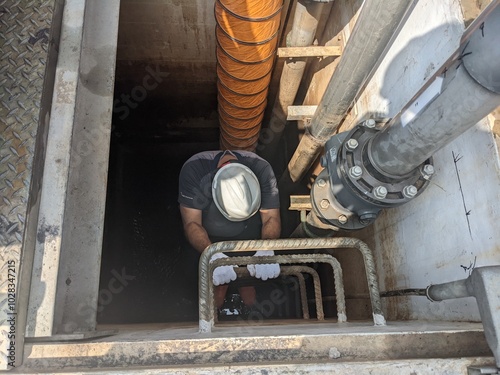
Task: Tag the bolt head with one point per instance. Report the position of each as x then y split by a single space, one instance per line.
356 172
342 219
367 218
428 171
351 144
380 192
320 182
370 123
324 204
410 191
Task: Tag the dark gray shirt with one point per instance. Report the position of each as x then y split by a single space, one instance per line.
195 191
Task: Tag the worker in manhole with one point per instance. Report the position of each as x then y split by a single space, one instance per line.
229 196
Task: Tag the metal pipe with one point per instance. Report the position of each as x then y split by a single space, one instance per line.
452 289
206 303
483 285
470 91
305 23
376 25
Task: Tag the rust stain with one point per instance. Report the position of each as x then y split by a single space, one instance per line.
389 247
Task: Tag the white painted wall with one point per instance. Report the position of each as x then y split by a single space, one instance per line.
428 241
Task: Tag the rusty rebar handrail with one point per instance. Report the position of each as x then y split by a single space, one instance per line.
287 244
281 259
298 272
317 287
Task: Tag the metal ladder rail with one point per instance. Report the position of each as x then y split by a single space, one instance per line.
206 319
298 271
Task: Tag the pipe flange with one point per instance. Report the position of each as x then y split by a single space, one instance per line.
373 185
329 211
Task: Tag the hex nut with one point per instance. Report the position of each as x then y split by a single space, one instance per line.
324 204
351 144
355 172
342 219
410 191
367 218
321 183
428 171
370 123
380 192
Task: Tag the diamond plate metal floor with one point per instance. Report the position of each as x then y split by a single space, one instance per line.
25 42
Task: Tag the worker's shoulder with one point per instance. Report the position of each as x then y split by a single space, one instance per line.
251 156
204 155
198 165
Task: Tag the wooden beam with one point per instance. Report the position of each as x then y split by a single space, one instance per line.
311 51
300 203
301 112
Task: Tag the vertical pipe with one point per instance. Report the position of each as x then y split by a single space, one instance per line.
470 91
376 25
305 23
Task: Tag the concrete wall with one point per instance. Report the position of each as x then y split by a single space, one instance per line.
453 225
177 40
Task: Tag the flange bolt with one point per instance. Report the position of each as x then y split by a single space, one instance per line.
351 144
356 172
324 204
367 218
370 123
410 191
428 171
321 183
380 192
342 219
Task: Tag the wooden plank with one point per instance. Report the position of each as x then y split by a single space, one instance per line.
300 203
301 112
310 51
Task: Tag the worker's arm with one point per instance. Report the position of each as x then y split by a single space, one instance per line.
271 229
193 229
271 223
198 238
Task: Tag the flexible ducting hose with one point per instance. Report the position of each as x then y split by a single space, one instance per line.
247 38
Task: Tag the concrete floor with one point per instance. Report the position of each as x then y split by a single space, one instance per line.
307 344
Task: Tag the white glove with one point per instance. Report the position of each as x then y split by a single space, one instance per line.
222 274
264 271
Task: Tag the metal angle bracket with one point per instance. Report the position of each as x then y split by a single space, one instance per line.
490 370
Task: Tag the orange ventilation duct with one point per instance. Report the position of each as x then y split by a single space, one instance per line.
247 38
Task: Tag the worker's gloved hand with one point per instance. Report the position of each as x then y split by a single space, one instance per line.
264 271
222 274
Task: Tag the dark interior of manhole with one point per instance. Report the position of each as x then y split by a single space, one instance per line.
152 136
143 237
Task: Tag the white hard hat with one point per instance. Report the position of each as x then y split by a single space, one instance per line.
236 192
